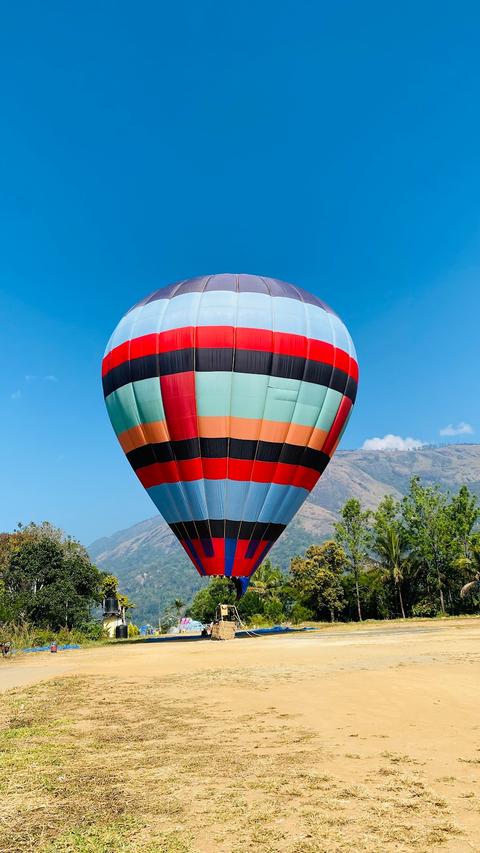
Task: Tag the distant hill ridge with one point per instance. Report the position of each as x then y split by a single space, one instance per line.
153 568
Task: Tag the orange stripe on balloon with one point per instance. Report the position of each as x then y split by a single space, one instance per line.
225 427
151 433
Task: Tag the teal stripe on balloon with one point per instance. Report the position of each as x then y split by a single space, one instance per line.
287 400
269 397
134 404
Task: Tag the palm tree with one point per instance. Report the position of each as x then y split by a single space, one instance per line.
471 586
267 580
472 561
178 604
388 545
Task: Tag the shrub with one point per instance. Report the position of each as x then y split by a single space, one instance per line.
25 635
299 613
92 631
274 611
133 630
258 620
424 607
43 636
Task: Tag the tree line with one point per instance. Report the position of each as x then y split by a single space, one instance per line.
407 558
48 582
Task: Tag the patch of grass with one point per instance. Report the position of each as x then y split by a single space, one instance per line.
122 836
85 770
398 758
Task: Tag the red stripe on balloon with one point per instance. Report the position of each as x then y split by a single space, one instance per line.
337 426
215 564
178 397
221 337
244 470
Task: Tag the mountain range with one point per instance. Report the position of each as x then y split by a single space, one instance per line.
153 569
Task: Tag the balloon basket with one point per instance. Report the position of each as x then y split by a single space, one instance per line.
223 631
226 622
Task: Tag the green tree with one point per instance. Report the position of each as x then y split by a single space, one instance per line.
168 618
267 580
353 534
178 605
388 542
110 586
48 579
464 514
430 536
316 577
472 564
265 595
204 604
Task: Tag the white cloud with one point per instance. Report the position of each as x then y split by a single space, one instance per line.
49 377
392 442
460 429
16 395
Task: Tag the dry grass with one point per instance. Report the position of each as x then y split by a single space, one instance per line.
90 765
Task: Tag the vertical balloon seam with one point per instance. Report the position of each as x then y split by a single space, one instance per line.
308 338
132 383
225 497
267 493
261 420
159 329
335 350
289 428
307 330
195 331
352 357
184 491
172 490
328 315
269 490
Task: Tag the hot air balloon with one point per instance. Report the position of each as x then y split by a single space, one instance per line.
229 395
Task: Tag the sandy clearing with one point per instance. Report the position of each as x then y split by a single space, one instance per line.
326 650
372 701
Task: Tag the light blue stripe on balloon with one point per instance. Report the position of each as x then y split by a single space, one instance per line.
217 308
282 503
246 501
224 308
215 497
144 320
180 501
180 312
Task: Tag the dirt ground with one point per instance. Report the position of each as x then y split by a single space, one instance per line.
346 739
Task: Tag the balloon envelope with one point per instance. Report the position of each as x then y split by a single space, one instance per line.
229 395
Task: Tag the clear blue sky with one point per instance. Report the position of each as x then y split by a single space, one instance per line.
333 145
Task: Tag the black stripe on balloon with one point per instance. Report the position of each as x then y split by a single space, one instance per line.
220 359
234 283
223 528
222 448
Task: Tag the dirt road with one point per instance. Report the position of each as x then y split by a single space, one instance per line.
329 741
